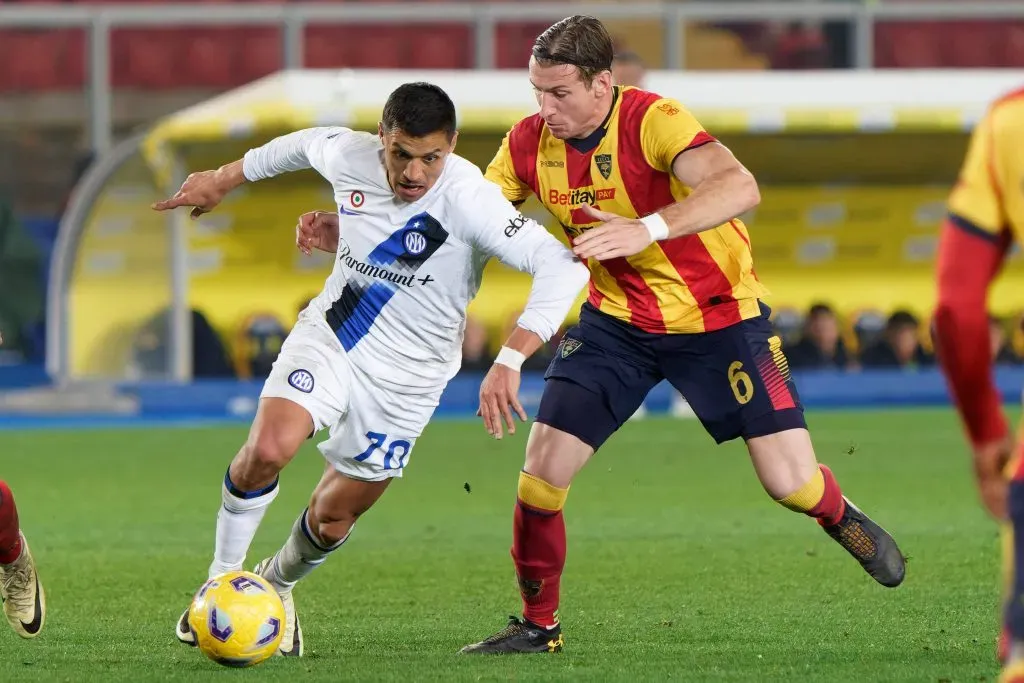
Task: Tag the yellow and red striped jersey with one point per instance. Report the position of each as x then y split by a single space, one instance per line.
988 198
695 283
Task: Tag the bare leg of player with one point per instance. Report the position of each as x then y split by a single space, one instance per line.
789 471
251 484
22 593
322 528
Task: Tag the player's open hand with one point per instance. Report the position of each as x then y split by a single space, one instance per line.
990 461
499 397
204 190
616 237
317 230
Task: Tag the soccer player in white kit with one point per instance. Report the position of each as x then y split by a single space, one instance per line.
370 355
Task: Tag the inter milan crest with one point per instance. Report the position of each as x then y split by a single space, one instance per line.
604 164
415 242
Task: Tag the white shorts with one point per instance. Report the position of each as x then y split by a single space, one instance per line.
372 430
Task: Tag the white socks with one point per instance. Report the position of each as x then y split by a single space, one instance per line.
240 515
302 553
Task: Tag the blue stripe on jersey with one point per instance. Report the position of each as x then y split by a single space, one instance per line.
355 311
366 310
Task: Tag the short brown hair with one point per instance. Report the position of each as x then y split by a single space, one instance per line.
578 40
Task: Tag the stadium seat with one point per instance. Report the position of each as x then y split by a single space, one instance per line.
362 46
145 58
968 44
375 46
209 56
257 345
788 323
907 45
326 46
260 54
865 328
31 60
514 42
1014 55
441 46
717 49
75 60
24 68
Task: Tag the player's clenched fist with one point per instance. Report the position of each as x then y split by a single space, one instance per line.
204 190
317 230
499 396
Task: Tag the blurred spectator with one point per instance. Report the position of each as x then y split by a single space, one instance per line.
258 344
788 323
1002 351
151 349
866 329
476 356
21 284
629 69
899 347
799 46
821 345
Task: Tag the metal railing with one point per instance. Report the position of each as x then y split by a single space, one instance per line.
98 20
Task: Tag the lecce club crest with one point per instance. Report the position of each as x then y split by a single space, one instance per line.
569 346
604 164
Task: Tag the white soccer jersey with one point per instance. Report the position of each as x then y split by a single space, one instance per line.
405 272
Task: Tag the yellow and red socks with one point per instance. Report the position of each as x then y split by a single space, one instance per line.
538 547
820 498
10 533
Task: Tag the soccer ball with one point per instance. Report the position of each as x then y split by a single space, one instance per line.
237 618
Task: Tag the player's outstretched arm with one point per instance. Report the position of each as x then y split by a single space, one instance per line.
310 148
498 229
204 190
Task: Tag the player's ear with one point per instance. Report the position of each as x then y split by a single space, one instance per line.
380 131
451 143
602 83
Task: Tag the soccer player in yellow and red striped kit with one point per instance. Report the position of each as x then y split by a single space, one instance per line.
986 215
651 200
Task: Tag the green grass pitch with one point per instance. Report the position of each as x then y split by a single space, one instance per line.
679 566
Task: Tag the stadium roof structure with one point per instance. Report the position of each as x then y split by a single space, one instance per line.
733 102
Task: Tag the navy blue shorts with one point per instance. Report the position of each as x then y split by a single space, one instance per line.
736 379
